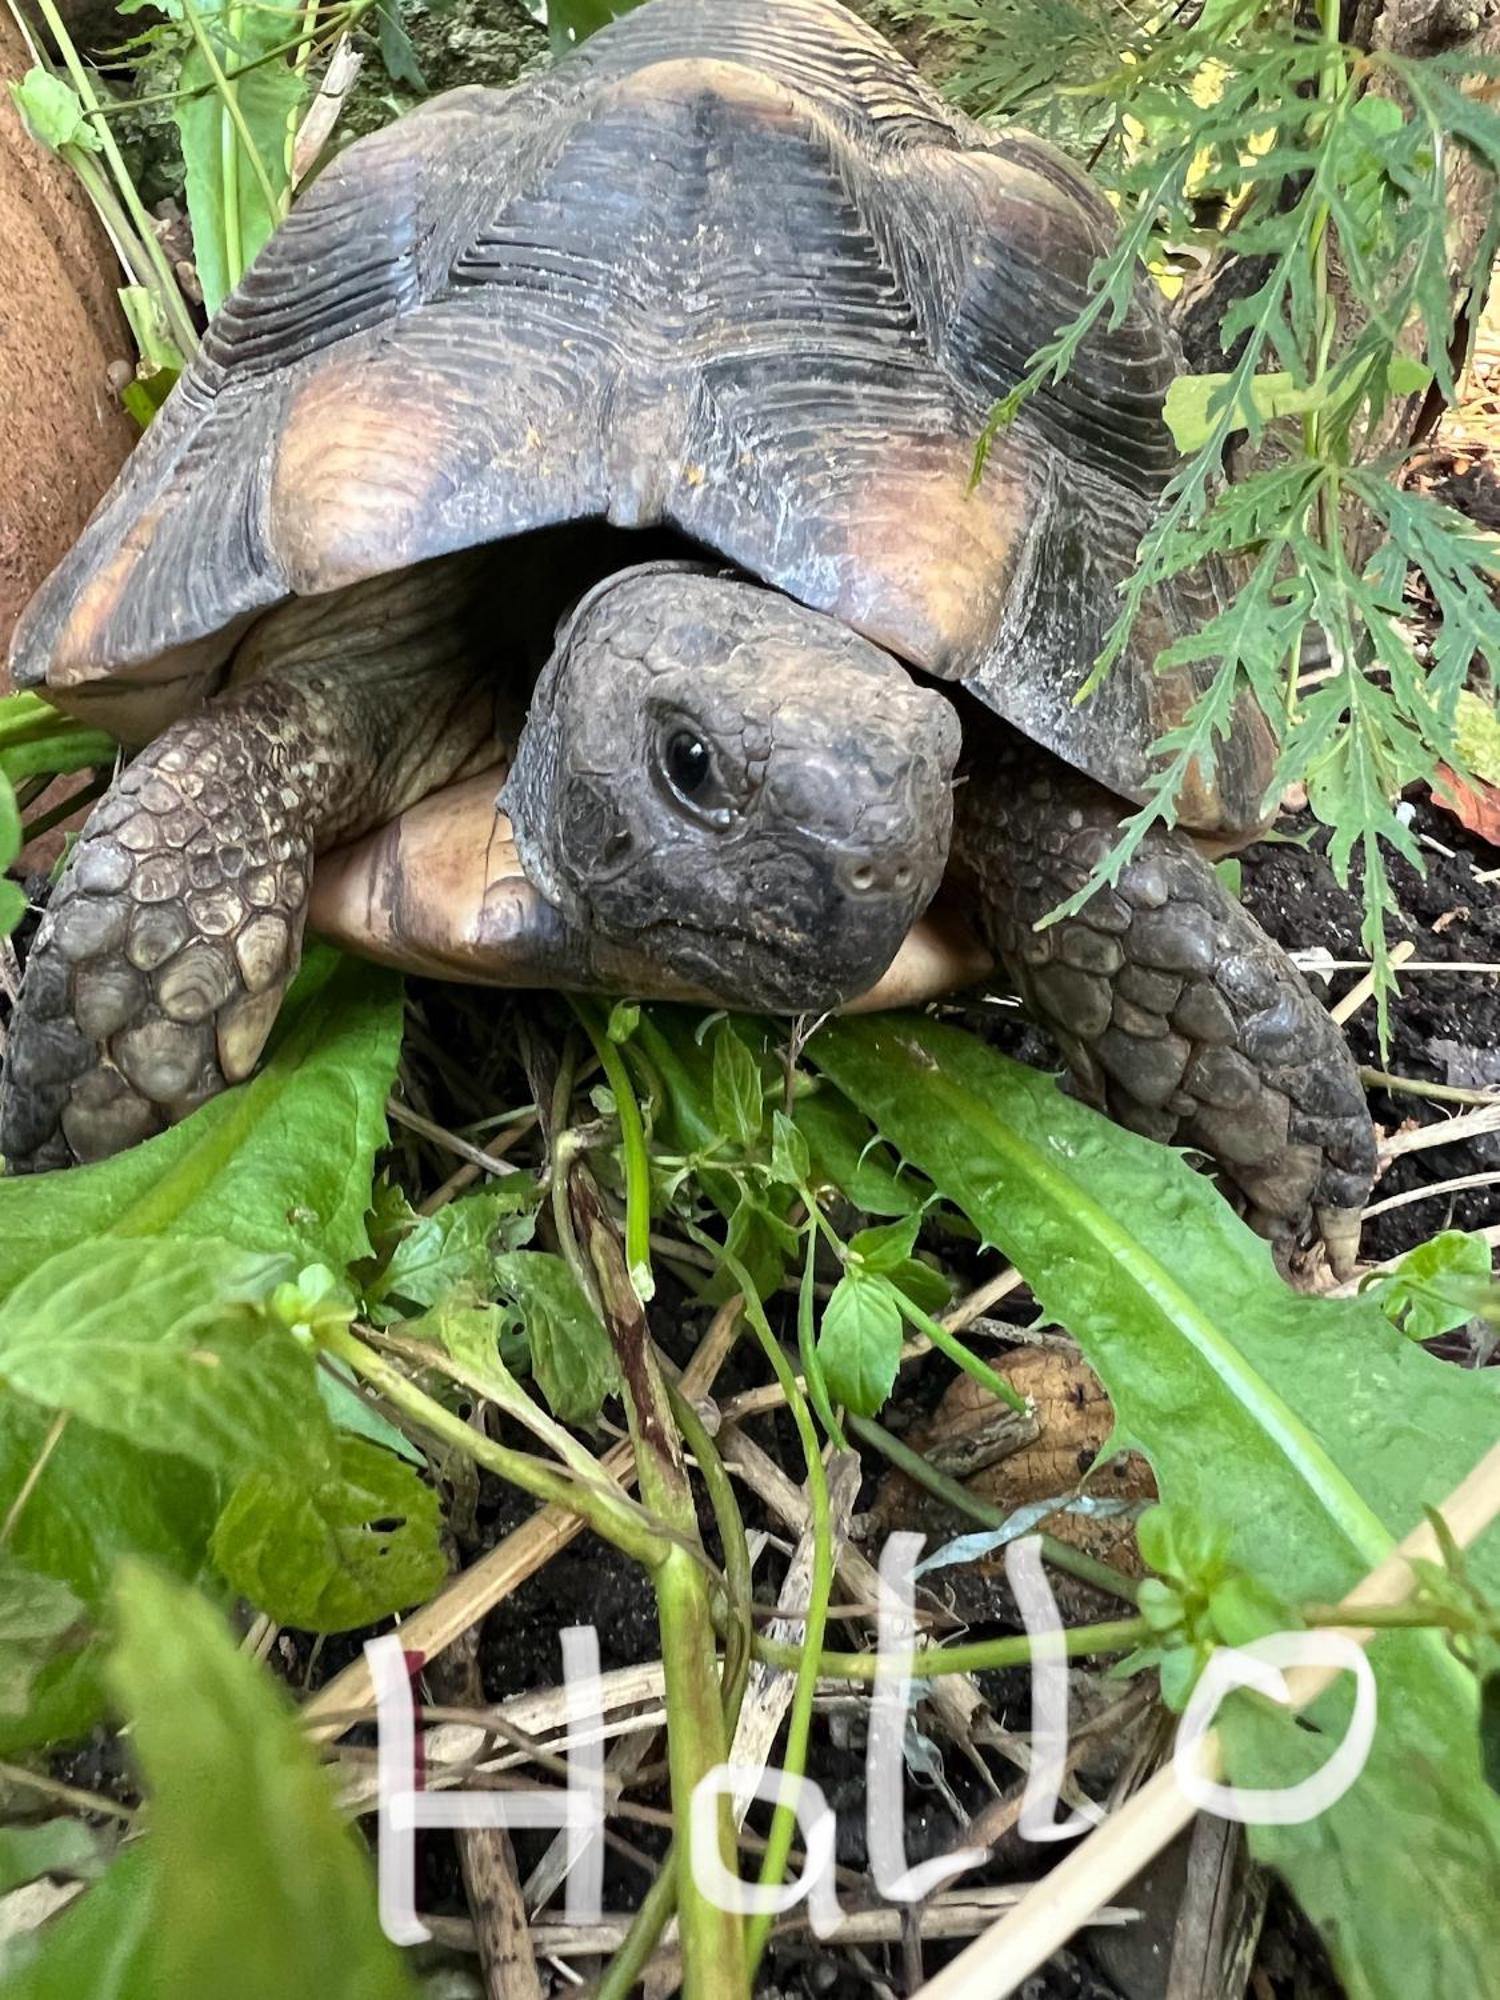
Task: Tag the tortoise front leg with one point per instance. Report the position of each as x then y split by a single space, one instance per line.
1175 1011
177 924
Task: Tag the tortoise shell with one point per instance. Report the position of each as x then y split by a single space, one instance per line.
731 268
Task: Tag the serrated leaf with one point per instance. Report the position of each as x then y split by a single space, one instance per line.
259 1888
571 1357
791 1162
738 1093
1307 1430
280 1164
456 1248
859 1341
337 1551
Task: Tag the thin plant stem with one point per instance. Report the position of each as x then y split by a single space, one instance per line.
979 1656
633 1149
615 1519
815 1623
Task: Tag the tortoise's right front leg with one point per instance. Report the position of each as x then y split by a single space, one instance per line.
166 950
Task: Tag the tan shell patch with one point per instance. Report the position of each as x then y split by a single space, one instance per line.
356 474
931 555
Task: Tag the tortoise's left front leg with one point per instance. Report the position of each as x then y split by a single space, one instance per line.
1175 1011
171 937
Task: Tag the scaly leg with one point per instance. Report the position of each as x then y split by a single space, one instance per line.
169 941
1174 1010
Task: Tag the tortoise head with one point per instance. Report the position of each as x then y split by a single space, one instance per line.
741 789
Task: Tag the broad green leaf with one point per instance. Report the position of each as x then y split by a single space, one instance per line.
571 1358
1307 1430
260 1888
40 1617
96 1949
96 1499
171 1344
281 1164
64 1847
227 197
859 1341
53 111
335 1551
849 1154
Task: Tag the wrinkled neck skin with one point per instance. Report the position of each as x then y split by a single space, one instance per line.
741 789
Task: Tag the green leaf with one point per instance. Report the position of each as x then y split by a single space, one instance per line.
457 1247
36 740
571 1357
1440 1285
53 111
40 1617
281 1164
168 1344
859 1341
93 1499
397 55
1306 1431
1477 732
99 1946
848 1154
738 1092
334 1552
233 209
791 1161
63 1847
259 1887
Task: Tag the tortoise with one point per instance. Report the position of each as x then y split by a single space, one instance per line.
618 429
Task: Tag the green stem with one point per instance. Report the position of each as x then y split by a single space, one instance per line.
799 1721
807 1345
173 303
949 1344
713 1940
979 1656
635 1159
614 1519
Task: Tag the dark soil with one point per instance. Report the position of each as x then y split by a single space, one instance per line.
1445 1027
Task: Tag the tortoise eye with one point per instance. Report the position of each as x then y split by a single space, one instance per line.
688 763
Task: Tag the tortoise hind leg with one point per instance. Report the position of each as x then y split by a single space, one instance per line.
169 941
1175 1011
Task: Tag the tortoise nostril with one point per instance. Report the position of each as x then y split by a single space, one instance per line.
862 877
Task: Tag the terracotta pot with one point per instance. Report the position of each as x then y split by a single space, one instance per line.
63 432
